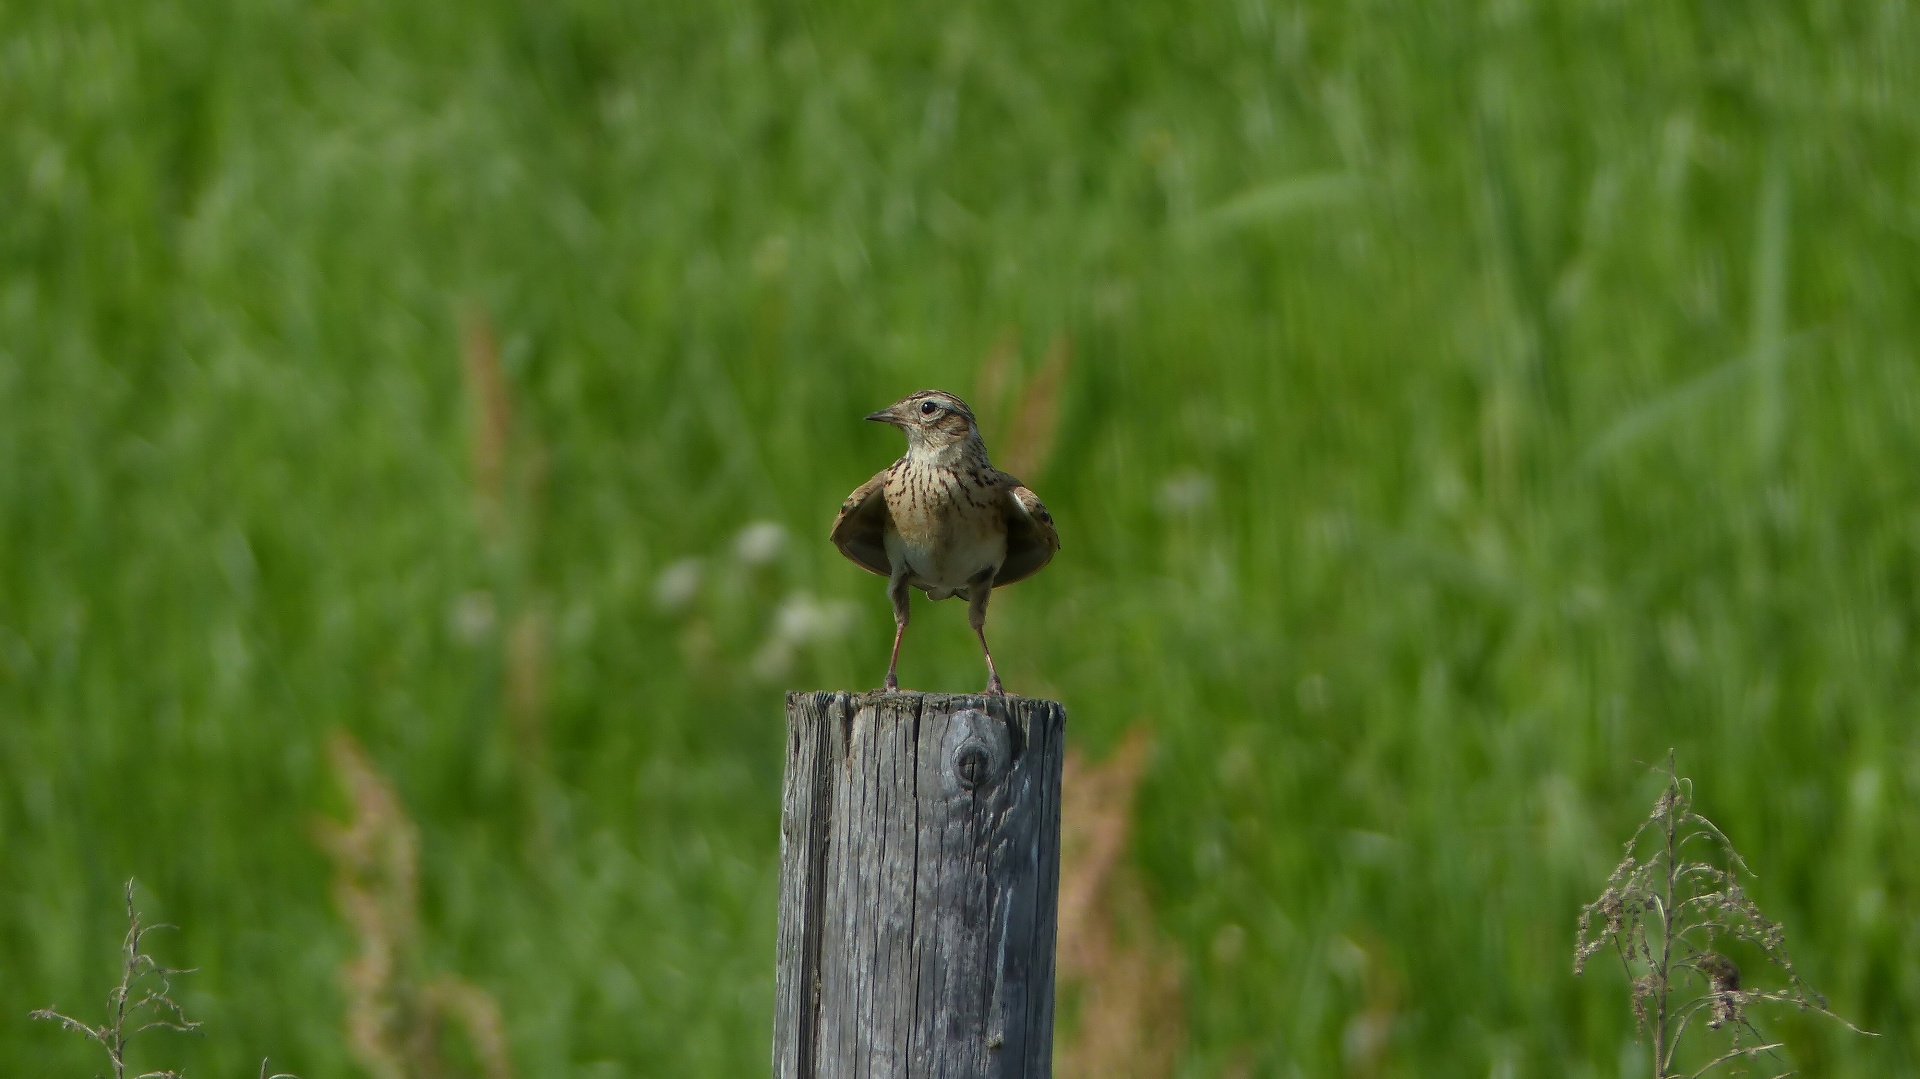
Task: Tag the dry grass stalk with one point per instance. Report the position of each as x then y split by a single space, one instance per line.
142 1001
1670 914
478 1015
526 675
996 378
491 427
1027 438
1127 985
1030 442
1367 1042
508 481
397 1015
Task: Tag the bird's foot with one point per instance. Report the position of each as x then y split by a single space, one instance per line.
891 685
995 689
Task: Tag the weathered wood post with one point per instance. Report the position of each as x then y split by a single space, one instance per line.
919 882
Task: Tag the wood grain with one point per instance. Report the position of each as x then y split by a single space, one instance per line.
919 883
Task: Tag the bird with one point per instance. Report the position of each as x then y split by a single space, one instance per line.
942 519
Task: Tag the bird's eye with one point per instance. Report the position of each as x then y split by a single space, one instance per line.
928 408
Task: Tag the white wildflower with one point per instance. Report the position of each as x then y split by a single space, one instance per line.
774 660
801 620
760 543
677 585
471 616
1184 492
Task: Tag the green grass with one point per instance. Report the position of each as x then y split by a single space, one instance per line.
1552 368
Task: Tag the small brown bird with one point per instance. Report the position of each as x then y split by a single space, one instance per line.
944 520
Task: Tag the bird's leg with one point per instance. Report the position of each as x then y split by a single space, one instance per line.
978 590
897 592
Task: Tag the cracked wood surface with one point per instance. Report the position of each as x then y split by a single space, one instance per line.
919 883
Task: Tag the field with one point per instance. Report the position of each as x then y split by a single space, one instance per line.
1448 409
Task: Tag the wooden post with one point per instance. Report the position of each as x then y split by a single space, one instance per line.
919 882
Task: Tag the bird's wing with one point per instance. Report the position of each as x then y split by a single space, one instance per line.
1031 537
860 531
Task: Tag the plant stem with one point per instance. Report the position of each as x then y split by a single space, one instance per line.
1662 1052
117 1050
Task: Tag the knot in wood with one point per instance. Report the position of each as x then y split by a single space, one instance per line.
976 752
971 766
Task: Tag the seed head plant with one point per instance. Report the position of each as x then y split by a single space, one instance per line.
142 1001
1672 909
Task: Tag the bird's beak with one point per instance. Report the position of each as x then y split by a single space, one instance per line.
885 415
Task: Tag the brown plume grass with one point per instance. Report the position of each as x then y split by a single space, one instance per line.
1022 411
399 1014
1122 985
509 468
491 422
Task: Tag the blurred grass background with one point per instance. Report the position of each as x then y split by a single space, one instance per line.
1466 404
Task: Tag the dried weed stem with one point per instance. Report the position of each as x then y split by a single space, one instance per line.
142 1001
1671 916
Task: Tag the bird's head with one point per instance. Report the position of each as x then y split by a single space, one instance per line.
935 422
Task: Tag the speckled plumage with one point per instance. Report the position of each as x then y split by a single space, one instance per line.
942 519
